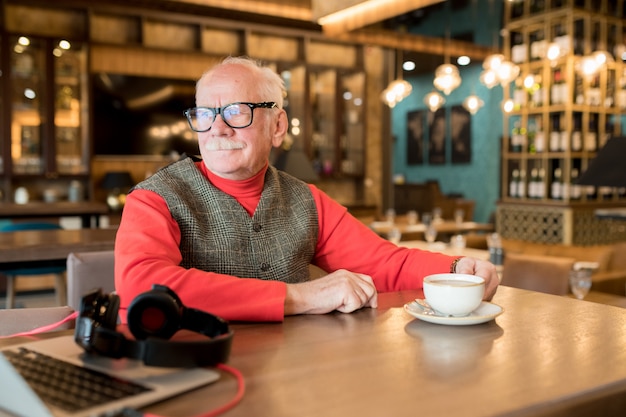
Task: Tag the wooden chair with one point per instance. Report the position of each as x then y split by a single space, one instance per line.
548 274
12 274
87 271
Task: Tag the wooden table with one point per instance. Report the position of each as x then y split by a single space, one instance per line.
86 210
544 356
446 248
30 248
443 227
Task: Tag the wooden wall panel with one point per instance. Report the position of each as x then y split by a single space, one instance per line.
170 35
139 61
273 48
335 55
221 42
115 29
45 22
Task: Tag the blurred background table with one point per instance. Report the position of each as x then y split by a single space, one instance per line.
444 228
31 248
88 211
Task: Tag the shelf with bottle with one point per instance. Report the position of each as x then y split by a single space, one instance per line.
561 115
551 181
47 137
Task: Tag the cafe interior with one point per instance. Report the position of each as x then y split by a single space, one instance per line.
493 129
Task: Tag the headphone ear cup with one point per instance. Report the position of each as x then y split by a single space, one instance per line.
109 319
154 314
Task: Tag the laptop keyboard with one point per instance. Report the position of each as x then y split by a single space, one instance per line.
67 386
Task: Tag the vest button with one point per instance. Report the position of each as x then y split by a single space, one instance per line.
265 267
257 227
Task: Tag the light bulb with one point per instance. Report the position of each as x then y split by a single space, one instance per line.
447 78
473 103
434 100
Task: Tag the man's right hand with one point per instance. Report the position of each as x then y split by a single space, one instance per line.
341 290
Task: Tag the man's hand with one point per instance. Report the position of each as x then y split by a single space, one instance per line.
341 290
484 269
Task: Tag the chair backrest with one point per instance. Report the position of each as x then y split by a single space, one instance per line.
87 271
17 320
548 274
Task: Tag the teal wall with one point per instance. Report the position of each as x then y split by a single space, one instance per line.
479 179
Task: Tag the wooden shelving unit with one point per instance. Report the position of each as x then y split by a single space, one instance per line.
560 119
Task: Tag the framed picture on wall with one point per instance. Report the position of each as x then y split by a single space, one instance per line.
460 135
415 138
437 137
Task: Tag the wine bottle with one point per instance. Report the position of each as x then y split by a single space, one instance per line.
533 183
593 94
514 184
555 134
579 91
520 95
538 45
519 50
577 141
521 185
541 183
591 138
621 93
556 188
530 137
556 88
536 99
540 137
561 38
517 9
516 141
537 6
609 98
579 37
575 189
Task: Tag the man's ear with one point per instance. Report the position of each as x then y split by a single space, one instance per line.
281 127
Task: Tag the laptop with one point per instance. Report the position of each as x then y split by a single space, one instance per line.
149 384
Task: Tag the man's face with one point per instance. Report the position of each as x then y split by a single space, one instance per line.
237 154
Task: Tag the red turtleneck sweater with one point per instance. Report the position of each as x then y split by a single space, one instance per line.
147 252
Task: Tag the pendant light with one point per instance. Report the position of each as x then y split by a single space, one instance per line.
398 89
473 103
447 78
434 101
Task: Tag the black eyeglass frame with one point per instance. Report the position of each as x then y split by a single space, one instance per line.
220 110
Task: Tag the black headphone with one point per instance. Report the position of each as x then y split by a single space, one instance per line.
153 318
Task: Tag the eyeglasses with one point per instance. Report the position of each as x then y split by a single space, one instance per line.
235 115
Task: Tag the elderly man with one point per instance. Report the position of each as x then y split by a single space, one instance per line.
234 236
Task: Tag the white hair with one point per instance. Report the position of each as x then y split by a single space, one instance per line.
271 86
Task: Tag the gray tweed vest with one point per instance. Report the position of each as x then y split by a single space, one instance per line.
217 234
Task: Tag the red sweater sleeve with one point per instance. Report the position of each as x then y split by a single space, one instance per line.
346 243
147 252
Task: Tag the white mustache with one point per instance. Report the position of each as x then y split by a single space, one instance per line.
222 144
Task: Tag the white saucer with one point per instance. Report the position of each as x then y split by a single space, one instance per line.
484 313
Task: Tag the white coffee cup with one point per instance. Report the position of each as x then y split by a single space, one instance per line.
454 294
